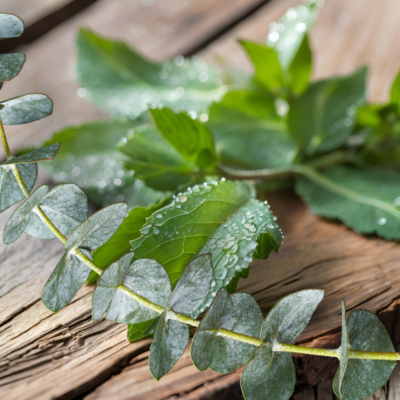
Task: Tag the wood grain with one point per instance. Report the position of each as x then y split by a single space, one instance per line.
60 356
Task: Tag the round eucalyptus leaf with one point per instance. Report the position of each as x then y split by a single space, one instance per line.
10 65
364 377
10 26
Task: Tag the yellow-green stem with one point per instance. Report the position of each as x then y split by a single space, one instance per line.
49 224
4 140
88 261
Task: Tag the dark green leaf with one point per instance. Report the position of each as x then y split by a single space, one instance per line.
238 313
97 229
145 277
288 318
67 278
364 377
344 350
367 200
124 83
188 136
43 154
193 286
155 161
268 70
88 158
119 244
219 218
330 107
249 133
142 330
10 65
286 36
10 192
300 68
25 109
10 26
268 375
170 340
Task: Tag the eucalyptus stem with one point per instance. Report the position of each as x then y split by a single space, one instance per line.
277 347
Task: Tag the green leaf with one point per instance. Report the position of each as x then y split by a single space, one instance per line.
267 69
145 277
289 317
89 159
300 68
238 313
344 350
10 192
330 109
367 200
395 92
25 109
249 133
43 154
142 330
170 340
97 229
188 136
10 26
221 218
65 206
155 161
286 36
171 337
125 84
364 377
268 375
119 244
67 278
10 65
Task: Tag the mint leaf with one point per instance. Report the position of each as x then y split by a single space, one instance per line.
331 109
155 161
124 83
367 200
249 133
188 136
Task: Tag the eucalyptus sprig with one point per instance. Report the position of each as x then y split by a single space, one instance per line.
192 250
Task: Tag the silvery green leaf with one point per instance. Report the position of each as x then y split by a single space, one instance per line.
364 377
10 192
67 278
155 161
289 316
20 219
124 83
238 313
145 277
66 207
330 105
97 229
344 350
188 136
268 375
367 200
10 65
25 109
221 218
10 26
170 340
43 154
193 286
286 35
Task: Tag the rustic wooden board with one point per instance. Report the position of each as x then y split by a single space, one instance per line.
52 356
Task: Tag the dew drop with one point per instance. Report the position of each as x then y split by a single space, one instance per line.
182 198
382 221
396 201
158 216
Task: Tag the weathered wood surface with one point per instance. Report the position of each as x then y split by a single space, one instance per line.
64 355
